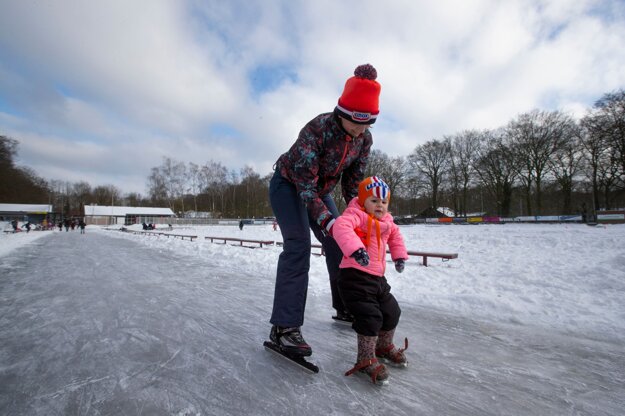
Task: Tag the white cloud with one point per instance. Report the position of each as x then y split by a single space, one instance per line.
130 82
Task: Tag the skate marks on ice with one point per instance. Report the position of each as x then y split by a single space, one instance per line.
101 325
460 366
98 325
463 367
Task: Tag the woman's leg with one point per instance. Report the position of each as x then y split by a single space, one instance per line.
332 252
294 262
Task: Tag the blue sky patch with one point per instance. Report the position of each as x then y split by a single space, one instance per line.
224 130
5 107
266 78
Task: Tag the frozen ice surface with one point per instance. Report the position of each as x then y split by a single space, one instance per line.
527 321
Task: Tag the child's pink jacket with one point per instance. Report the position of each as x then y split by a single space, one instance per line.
354 223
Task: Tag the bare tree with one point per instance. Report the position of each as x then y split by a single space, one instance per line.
463 150
252 192
19 184
194 180
600 140
168 182
429 164
233 178
566 164
535 137
609 122
81 195
107 195
214 181
495 166
134 199
156 186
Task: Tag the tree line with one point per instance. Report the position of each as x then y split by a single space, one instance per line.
539 163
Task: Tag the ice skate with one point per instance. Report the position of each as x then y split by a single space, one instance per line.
389 353
289 344
343 317
367 364
290 340
372 368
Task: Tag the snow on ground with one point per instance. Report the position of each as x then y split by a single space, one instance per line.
10 241
564 277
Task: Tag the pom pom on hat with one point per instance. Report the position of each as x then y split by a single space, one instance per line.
359 102
373 186
366 71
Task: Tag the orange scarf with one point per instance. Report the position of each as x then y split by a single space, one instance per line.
370 221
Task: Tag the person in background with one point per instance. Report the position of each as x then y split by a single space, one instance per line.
332 147
362 233
82 226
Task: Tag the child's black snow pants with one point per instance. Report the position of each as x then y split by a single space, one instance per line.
369 299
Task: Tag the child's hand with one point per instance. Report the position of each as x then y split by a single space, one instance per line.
361 256
399 265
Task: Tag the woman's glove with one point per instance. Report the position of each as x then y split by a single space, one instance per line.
361 256
399 265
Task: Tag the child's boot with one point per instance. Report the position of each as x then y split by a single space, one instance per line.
367 363
388 352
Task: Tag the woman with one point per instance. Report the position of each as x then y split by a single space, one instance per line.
331 147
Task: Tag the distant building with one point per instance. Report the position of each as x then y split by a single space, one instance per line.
111 215
34 213
441 212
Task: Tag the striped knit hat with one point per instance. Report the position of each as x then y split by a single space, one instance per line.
359 102
373 186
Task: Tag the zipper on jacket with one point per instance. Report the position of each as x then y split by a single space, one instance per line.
348 139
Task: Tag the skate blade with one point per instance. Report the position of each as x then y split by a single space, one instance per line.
295 359
392 363
396 365
366 377
342 321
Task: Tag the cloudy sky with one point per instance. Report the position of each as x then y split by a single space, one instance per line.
101 91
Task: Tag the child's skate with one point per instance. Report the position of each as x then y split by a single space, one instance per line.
373 369
366 363
393 355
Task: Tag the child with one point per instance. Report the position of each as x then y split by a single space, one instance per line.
362 233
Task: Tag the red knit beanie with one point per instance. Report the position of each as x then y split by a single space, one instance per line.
360 98
373 186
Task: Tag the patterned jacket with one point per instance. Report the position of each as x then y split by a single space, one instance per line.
356 229
322 154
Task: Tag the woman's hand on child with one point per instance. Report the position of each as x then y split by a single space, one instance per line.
399 265
361 256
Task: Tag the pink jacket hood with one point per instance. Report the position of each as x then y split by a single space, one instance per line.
354 223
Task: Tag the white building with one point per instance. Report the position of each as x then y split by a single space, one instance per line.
35 213
112 215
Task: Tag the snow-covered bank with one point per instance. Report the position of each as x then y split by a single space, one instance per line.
11 241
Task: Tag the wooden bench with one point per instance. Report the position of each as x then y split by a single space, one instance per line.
240 241
425 255
181 236
318 246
